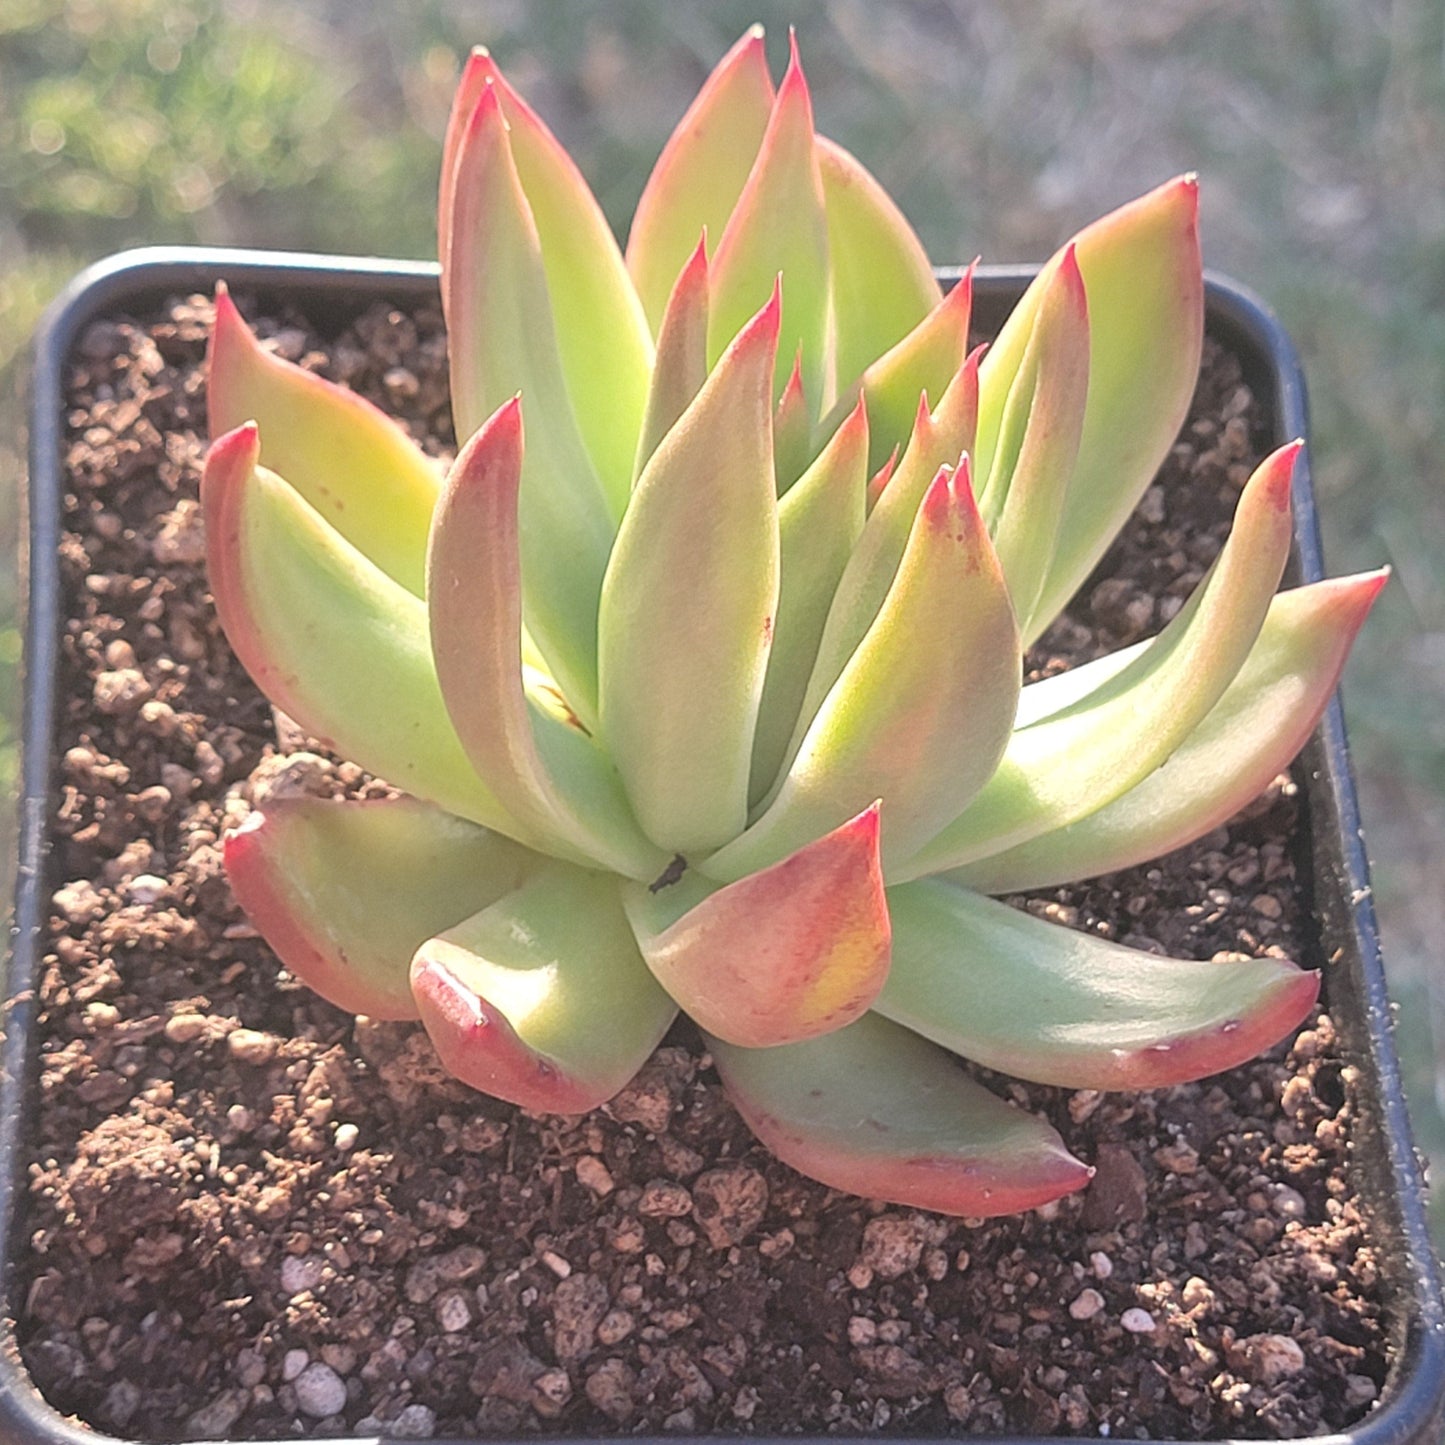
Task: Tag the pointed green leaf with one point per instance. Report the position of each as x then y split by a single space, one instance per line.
1141 270
883 285
542 998
345 892
819 521
794 951
701 173
1043 420
688 606
681 365
921 713
1074 762
548 774
602 334
355 465
1057 1006
1247 739
924 363
329 637
502 341
939 439
877 1111
778 228
792 430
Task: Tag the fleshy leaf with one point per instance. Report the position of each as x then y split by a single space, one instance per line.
350 460
792 430
542 998
681 365
778 228
1058 1006
701 172
548 774
1141 270
602 334
819 521
921 713
329 637
1248 737
877 1111
346 891
1023 501
883 284
1074 762
688 606
922 364
783 955
502 341
939 439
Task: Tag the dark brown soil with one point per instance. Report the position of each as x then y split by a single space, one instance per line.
252 1215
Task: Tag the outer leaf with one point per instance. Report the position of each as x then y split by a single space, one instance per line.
681 365
542 998
355 465
883 284
797 950
702 171
923 363
1073 763
1057 1006
602 333
548 774
819 521
779 228
921 713
1247 739
1141 270
878 1111
1043 421
329 637
345 892
688 606
502 341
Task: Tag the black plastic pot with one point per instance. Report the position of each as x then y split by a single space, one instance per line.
332 289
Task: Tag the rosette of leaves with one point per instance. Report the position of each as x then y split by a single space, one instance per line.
698 672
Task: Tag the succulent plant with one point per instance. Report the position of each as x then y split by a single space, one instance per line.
706 694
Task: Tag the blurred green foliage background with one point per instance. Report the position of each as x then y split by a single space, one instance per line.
1318 127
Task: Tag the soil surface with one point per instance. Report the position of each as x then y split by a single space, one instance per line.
253 1215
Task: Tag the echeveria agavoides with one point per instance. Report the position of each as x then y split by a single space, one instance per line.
698 671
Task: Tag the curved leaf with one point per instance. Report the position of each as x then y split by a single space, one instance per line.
502 341
1074 762
701 172
1141 269
547 773
778 228
883 285
688 606
541 998
921 713
351 461
1247 738
346 891
602 334
796 950
681 365
329 637
1058 1006
875 1110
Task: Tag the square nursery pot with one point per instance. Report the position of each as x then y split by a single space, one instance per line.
1385 1172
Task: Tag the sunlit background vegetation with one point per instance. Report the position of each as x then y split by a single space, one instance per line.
1318 127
